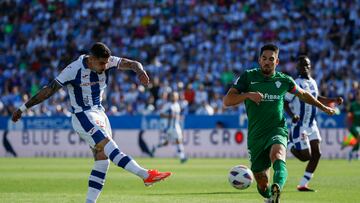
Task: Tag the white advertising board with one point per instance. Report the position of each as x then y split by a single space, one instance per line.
198 143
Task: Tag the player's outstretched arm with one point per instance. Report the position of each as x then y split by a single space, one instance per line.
127 64
233 97
326 100
43 94
308 98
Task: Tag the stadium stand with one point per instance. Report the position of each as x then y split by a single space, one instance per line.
194 47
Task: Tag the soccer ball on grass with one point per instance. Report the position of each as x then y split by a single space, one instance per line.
240 177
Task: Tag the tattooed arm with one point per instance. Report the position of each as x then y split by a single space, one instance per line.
42 95
127 64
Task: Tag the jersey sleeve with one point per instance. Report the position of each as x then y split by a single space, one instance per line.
293 88
289 97
67 75
114 62
241 83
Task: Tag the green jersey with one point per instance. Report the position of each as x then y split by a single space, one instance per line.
355 110
266 119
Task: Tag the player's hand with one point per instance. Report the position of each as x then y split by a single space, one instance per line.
16 115
329 111
339 100
144 78
255 97
295 118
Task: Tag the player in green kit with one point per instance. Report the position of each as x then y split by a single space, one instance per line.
354 118
262 90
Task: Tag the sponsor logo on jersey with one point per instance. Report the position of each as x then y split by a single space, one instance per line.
92 131
271 97
278 84
253 83
92 83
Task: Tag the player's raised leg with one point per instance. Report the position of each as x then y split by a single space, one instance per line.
124 161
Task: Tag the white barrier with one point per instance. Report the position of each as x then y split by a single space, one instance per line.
198 143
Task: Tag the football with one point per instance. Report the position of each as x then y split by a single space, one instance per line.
240 177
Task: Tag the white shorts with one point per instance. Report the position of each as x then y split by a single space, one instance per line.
301 136
174 134
92 125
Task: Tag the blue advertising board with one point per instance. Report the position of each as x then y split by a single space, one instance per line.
154 122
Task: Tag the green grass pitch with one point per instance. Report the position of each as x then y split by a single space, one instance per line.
60 180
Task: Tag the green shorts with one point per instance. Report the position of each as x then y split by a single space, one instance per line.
259 151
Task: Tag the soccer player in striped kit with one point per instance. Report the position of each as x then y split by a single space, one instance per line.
86 79
171 111
304 139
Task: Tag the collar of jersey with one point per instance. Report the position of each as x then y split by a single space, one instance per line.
266 78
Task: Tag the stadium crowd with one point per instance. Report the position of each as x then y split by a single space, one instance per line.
195 47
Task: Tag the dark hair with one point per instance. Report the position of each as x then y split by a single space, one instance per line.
100 50
271 47
302 57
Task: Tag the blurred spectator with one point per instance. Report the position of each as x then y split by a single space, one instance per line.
194 47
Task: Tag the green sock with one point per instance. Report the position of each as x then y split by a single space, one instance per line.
266 193
280 173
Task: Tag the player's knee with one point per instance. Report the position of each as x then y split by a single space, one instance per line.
278 151
100 145
279 155
304 158
100 156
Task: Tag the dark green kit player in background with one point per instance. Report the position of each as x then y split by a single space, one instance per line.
354 124
262 90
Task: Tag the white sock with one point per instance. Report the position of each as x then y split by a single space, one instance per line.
180 151
97 180
122 160
306 178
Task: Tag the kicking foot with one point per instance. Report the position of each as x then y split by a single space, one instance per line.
305 189
275 193
155 176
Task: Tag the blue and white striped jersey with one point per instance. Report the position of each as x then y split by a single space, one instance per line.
85 86
306 111
173 109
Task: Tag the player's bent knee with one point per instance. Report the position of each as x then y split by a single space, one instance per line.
100 156
304 159
100 146
278 151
